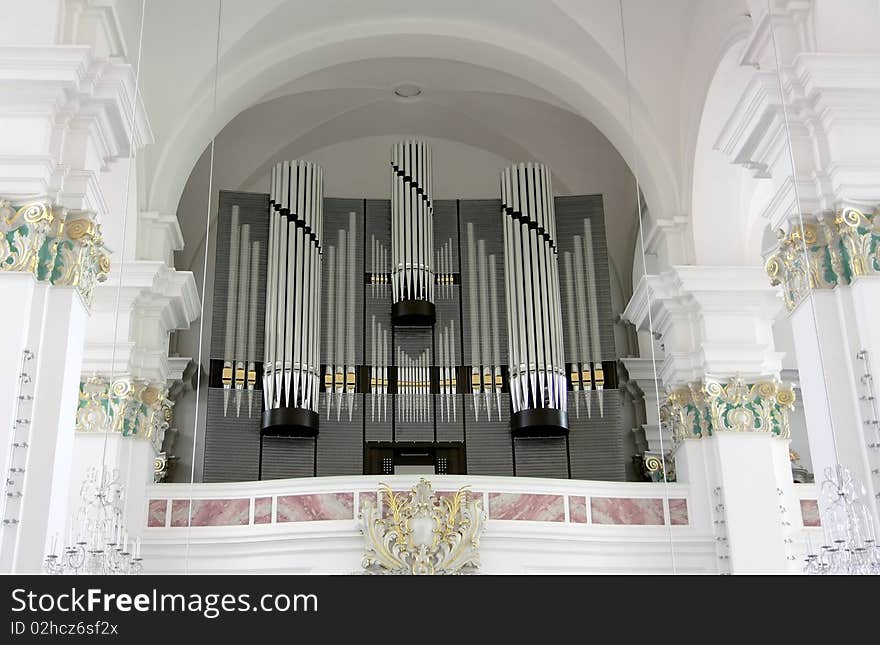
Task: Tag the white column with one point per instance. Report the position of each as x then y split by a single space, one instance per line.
715 326
15 325
60 336
132 457
747 465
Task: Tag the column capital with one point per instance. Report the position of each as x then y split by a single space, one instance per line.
60 246
130 407
840 247
704 408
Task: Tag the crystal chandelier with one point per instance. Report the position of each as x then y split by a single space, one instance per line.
97 541
850 547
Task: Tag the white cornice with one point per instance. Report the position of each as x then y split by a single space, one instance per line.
134 311
159 235
710 320
68 79
756 122
95 21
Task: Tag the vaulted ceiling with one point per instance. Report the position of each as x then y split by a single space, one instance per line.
502 81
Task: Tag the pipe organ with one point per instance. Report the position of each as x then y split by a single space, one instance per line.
340 379
379 372
291 372
448 381
587 373
486 378
412 233
534 319
495 335
240 342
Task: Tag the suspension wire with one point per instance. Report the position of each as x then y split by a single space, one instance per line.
645 278
797 199
192 473
132 121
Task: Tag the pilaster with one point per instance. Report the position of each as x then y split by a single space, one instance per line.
724 405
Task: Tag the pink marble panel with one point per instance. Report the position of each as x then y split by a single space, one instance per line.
180 512
320 506
211 512
157 511
577 509
221 512
624 510
810 512
678 512
263 510
526 506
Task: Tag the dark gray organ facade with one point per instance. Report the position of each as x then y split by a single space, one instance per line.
393 397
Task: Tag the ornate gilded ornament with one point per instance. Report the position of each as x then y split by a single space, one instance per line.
702 409
131 408
56 245
653 468
160 467
833 250
422 534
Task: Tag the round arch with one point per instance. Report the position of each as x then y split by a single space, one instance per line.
597 93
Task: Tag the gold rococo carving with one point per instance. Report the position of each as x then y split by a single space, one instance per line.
422 533
823 253
702 409
56 245
132 408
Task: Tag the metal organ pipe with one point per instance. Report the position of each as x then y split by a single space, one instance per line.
534 320
240 340
412 233
252 327
231 298
244 265
291 372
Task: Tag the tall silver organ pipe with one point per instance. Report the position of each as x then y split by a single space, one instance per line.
534 321
252 327
241 335
412 233
291 369
240 340
231 301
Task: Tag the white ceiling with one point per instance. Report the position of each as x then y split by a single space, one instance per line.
504 80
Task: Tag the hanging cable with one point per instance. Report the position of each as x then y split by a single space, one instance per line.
198 388
645 277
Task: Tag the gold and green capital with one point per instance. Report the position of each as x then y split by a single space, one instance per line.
132 408
821 254
56 245
703 409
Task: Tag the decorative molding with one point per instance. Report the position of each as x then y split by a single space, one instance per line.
839 249
159 236
424 534
95 23
58 246
139 305
708 320
703 409
132 408
89 113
